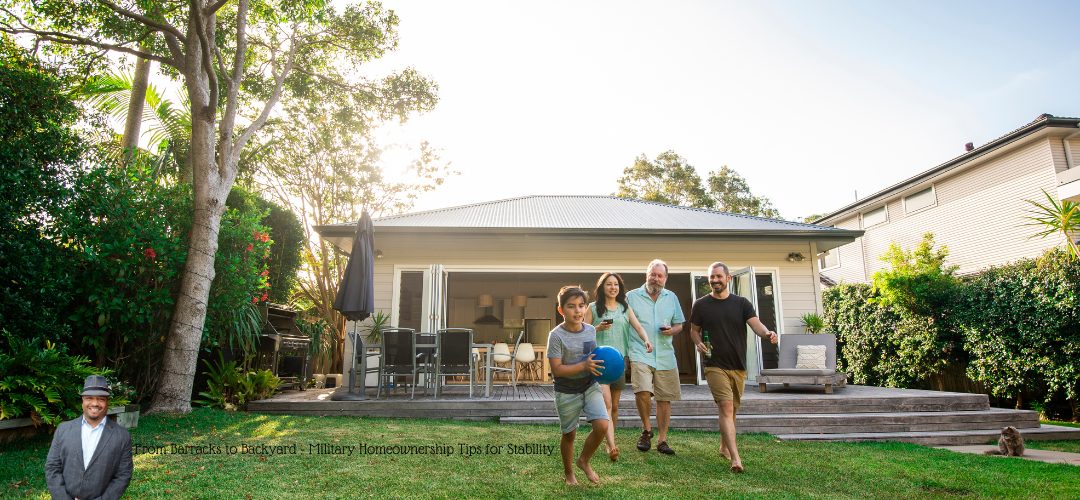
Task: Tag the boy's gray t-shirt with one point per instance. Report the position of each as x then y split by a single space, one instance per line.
572 348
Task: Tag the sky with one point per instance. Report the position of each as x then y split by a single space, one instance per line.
814 102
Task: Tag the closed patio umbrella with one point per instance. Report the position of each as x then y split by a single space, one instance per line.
356 296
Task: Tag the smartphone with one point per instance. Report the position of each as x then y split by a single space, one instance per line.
608 321
665 328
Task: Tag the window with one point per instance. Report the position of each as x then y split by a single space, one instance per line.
918 201
874 217
829 259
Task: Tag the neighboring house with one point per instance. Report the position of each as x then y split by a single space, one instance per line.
442 268
974 204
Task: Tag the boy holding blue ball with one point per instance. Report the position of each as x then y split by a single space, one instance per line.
569 350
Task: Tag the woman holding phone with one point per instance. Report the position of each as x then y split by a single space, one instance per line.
614 319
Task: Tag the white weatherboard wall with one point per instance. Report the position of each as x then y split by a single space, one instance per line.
979 215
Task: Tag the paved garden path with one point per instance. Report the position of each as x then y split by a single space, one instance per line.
1054 457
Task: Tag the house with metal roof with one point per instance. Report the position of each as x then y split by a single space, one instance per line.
974 203
496 266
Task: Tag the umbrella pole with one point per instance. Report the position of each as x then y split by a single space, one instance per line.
363 362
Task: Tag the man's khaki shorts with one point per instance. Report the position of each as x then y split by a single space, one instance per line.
663 384
726 385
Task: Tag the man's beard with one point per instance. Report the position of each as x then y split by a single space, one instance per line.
653 289
721 286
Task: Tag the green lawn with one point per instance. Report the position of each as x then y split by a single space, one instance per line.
778 469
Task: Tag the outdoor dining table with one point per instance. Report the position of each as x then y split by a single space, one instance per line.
487 353
434 349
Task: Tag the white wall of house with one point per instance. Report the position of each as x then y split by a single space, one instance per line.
979 213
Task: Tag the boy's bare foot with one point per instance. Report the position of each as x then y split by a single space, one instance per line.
737 468
724 453
587 469
613 454
571 480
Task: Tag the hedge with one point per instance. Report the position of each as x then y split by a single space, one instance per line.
1014 328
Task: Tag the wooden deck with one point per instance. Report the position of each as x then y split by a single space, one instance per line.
860 413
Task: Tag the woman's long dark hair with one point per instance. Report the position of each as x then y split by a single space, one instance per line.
601 299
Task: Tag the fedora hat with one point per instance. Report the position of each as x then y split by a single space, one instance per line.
95 385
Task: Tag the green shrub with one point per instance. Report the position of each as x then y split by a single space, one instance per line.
1021 326
38 146
40 380
287 241
231 388
917 281
1014 328
881 345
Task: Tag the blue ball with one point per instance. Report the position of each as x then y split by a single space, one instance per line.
612 369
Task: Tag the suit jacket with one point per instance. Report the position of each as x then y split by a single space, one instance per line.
109 471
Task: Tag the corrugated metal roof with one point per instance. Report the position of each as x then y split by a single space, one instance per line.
605 213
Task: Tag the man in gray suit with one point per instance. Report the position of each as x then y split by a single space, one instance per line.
90 456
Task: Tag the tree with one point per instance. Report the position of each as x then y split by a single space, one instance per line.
237 60
667 179
326 170
918 280
671 179
731 193
1057 217
38 143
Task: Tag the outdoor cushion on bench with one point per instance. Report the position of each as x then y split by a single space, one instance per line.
786 373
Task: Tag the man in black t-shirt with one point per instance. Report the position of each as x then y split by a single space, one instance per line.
725 317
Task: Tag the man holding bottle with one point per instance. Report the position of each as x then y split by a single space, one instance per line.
725 317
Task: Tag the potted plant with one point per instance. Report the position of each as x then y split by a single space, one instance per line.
373 337
813 323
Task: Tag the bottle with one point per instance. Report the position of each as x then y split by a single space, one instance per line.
708 345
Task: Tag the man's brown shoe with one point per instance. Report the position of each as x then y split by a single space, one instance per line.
663 447
645 441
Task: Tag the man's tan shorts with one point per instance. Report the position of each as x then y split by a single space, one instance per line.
726 385
663 384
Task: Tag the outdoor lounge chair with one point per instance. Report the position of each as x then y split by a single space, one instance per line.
454 358
793 370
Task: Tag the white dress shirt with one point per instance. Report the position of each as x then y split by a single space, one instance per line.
90 438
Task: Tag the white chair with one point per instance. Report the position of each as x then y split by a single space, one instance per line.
525 356
500 355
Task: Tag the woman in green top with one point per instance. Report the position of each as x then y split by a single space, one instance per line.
613 319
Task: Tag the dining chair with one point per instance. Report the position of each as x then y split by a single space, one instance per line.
525 357
500 353
454 357
398 357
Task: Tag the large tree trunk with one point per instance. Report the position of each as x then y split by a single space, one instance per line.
211 186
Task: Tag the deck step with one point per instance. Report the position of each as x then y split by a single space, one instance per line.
954 437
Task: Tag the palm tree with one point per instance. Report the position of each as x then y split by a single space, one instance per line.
168 126
1056 217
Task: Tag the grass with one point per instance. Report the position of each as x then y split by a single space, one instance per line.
774 468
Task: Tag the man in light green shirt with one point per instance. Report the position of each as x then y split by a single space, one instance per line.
655 374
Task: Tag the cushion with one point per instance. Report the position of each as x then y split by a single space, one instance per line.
811 357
